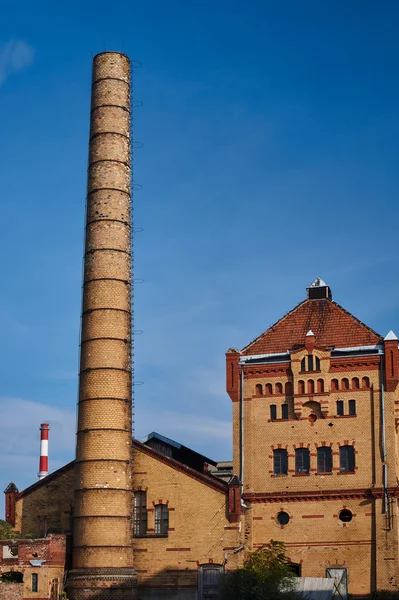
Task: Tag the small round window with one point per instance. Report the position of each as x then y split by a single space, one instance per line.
283 518
345 516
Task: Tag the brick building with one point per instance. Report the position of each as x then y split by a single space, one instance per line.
315 442
314 461
32 568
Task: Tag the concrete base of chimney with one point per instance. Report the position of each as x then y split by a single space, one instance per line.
102 584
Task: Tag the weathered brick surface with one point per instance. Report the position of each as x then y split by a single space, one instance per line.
102 539
51 550
11 591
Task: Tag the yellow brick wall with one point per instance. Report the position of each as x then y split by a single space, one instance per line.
200 531
315 537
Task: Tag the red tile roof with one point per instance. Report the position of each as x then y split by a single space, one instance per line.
331 324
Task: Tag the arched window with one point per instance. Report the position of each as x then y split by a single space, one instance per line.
273 412
301 387
320 386
355 383
365 382
324 459
302 460
317 363
161 519
284 411
340 408
310 386
345 383
288 388
279 388
280 462
352 407
268 389
259 389
303 364
140 513
346 459
334 385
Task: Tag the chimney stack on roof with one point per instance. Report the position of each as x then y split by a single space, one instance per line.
43 463
319 290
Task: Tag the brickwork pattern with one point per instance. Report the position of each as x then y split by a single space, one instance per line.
102 519
315 536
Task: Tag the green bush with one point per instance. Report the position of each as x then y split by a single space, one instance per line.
266 575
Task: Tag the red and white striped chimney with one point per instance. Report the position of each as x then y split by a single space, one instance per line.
43 465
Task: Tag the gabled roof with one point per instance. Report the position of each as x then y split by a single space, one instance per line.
332 325
208 480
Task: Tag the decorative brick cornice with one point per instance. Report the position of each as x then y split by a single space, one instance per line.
335 494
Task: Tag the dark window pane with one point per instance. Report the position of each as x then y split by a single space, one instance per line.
161 519
340 407
352 407
283 518
284 411
324 459
303 365
302 460
140 513
35 582
310 362
317 363
273 412
280 462
346 459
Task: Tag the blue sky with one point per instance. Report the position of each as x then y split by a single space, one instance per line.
269 157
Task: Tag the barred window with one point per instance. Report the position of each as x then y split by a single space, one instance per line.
280 462
302 460
324 459
161 519
346 459
140 513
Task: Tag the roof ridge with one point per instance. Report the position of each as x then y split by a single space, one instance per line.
356 319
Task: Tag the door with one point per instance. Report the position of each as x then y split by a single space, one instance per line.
340 576
209 581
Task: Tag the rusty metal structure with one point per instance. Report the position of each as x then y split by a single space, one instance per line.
102 546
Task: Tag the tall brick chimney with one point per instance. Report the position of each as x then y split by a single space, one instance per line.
102 555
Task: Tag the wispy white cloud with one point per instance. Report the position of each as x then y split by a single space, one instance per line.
14 56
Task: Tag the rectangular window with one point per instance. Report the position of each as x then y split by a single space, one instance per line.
302 460
340 408
346 459
273 412
280 462
140 513
324 459
310 362
161 519
35 582
352 407
284 411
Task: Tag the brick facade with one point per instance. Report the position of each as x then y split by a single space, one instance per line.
344 402
40 559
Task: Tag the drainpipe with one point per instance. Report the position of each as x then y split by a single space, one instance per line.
242 431
383 443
